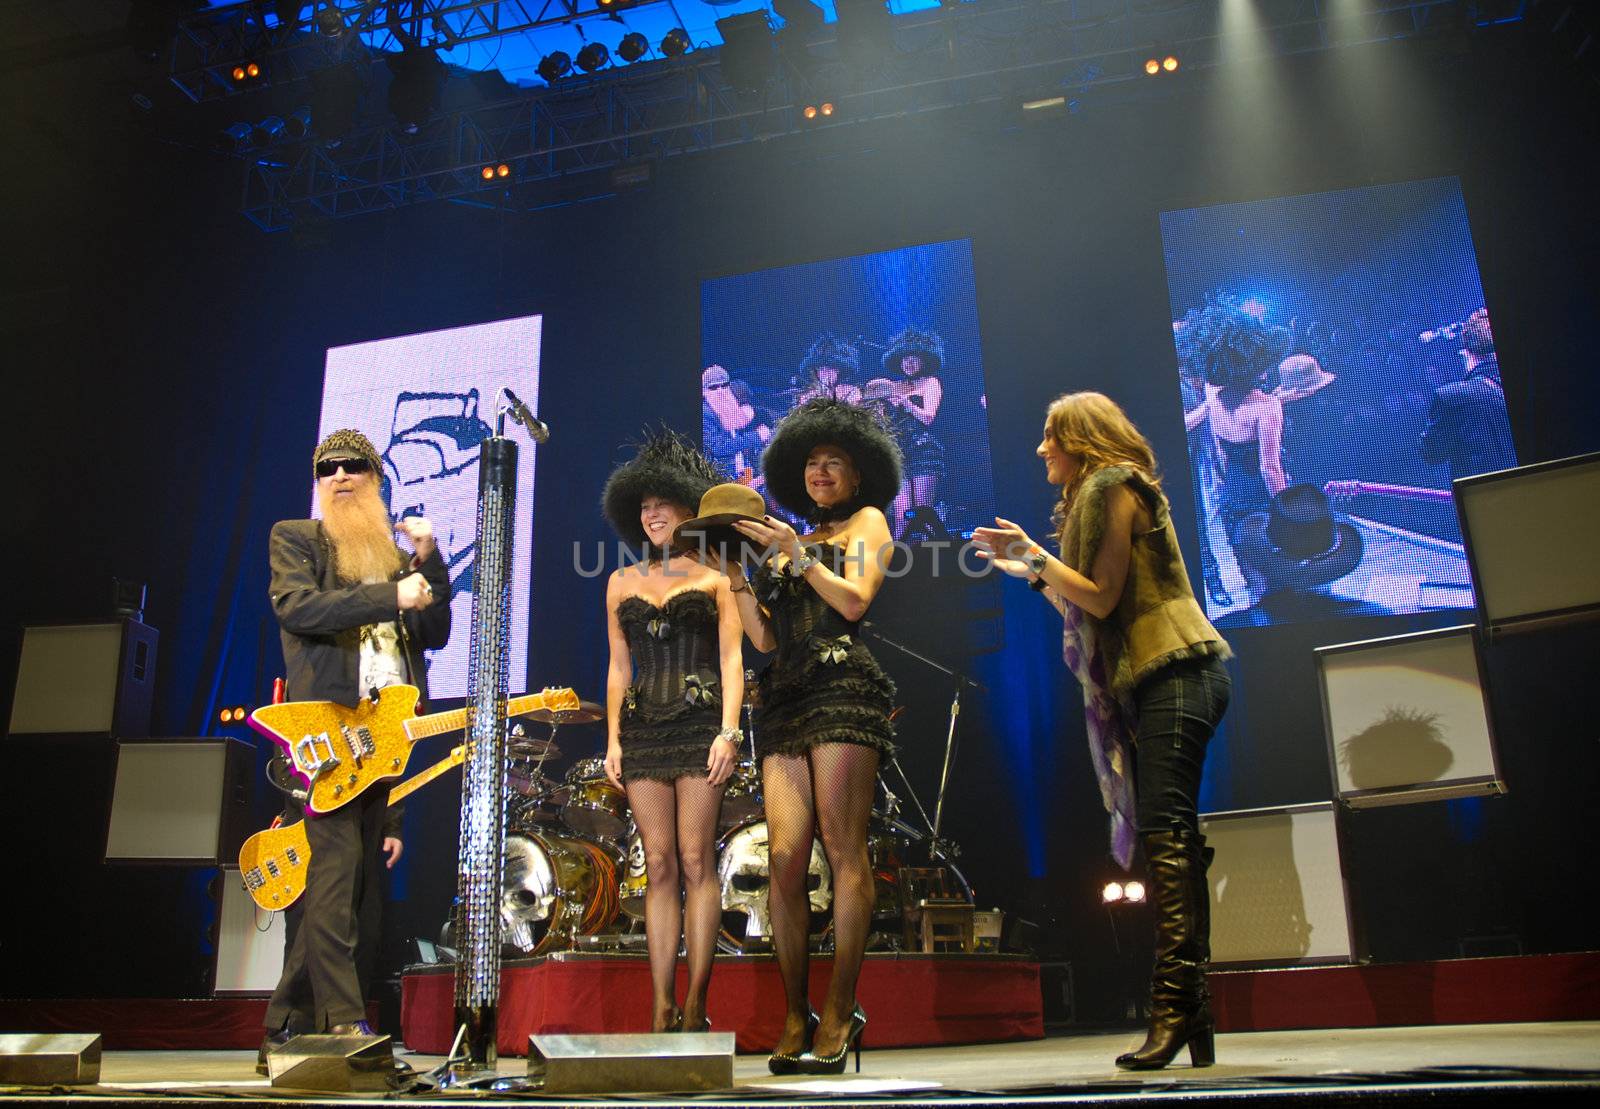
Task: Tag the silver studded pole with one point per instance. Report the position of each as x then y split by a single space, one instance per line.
483 782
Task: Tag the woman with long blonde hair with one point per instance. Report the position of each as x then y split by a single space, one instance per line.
1154 684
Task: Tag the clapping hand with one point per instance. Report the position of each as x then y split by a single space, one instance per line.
1005 546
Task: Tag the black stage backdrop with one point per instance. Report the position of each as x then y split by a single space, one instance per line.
165 368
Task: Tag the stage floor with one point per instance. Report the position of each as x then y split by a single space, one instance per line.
1057 1069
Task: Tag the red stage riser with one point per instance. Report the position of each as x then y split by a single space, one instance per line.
909 1001
1453 991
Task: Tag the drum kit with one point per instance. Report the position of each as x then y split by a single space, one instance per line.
575 868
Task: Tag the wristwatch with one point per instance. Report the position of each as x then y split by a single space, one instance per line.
1036 562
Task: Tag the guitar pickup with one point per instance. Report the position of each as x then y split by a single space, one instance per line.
292 855
253 879
352 740
272 868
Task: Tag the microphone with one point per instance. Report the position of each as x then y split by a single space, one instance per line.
1448 331
537 428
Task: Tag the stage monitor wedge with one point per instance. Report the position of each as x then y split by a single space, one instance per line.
50 1059
634 1063
1406 719
1532 535
1278 894
93 679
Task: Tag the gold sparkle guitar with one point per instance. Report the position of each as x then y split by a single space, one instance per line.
273 862
337 752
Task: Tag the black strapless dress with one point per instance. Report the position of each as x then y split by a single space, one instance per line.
823 686
673 711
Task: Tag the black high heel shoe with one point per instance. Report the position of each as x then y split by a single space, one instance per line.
779 1063
811 1063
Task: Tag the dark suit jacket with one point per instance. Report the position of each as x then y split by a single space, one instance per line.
321 619
1468 427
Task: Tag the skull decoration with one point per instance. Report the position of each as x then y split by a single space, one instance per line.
744 872
527 893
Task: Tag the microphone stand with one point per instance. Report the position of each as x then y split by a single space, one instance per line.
937 848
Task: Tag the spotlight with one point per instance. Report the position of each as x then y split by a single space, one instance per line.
593 56
330 22
810 111
268 131
1170 63
633 47
502 170
615 5
232 715
487 173
252 71
1134 891
297 124
1112 893
235 138
818 113
675 43
1152 67
553 67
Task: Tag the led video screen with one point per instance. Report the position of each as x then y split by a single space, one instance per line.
427 401
1337 368
895 331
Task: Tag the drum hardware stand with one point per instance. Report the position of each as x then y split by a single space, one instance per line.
749 715
481 853
937 848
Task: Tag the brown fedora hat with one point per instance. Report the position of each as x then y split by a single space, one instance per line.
720 507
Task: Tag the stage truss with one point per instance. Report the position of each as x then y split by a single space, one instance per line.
553 141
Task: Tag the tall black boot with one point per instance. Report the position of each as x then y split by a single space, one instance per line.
1180 1009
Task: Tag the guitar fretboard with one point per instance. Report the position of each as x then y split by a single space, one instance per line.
438 723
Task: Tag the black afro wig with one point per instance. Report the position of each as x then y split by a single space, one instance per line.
856 431
666 465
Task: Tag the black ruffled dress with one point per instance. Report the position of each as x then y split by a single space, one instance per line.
823 686
673 711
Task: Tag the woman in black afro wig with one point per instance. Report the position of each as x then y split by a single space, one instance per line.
823 722
673 694
856 431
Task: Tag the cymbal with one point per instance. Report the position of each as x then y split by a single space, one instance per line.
530 747
587 712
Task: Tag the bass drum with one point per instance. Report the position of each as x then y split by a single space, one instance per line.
555 887
744 871
634 880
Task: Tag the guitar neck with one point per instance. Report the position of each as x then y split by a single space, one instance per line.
438 723
411 785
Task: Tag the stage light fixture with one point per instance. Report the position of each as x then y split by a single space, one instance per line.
268 131
297 124
615 5
1152 67
502 170
633 47
1133 891
1170 63
1112 893
810 111
487 173
748 58
553 67
593 56
675 43
252 70
235 138
330 22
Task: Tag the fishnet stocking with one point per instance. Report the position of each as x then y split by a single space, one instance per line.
828 790
678 826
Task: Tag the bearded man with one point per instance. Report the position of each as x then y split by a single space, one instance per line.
355 613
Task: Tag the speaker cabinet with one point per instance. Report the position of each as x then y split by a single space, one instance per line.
85 679
1277 887
632 1063
180 801
249 941
1406 720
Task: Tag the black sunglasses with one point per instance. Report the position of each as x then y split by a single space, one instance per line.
330 466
